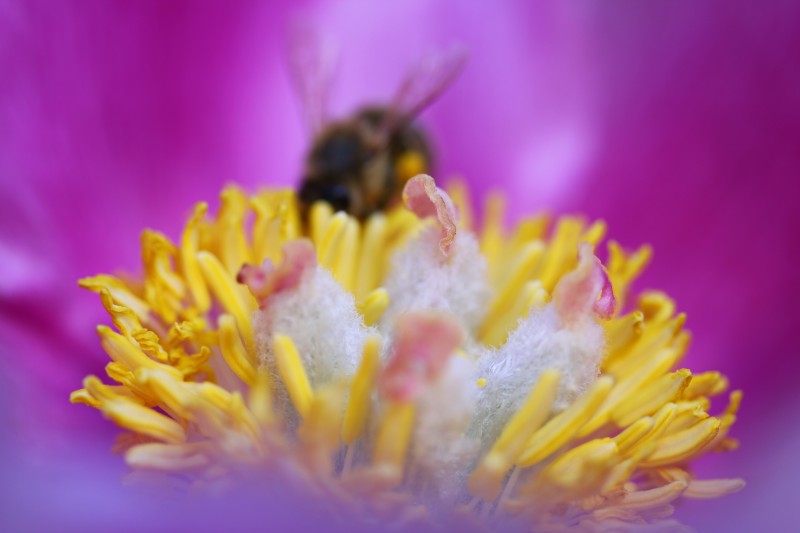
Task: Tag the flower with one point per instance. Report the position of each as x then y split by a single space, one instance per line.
117 118
402 370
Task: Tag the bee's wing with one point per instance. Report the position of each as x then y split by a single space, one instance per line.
312 61
423 85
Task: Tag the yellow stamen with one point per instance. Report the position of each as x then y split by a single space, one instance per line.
234 250
393 439
561 429
373 306
344 262
485 482
319 217
650 398
260 400
355 417
560 255
243 364
290 368
168 457
492 235
234 298
369 270
679 446
190 245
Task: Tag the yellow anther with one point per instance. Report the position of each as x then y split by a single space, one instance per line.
712 488
680 446
144 420
234 298
481 382
649 399
491 243
120 293
628 385
633 434
290 368
346 253
234 251
562 251
521 270
355 417
168 457
260 399
594 233
334 233
319 216
530 229
122 350
234 352
373 306
706 384
485 482
563 427
369 267
392 441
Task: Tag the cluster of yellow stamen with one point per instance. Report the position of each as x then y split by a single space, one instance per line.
190 389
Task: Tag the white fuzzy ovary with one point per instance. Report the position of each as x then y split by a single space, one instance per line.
442 455
540 342
421 278
322 320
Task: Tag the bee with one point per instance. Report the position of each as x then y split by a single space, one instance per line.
360 164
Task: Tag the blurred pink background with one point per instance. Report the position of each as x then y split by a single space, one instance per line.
676 122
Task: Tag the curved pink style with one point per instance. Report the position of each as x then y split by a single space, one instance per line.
425 199
299 259
585 290
423 344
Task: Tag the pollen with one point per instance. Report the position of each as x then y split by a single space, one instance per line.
412 368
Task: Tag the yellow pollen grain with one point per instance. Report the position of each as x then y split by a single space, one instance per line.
355 417
291 371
